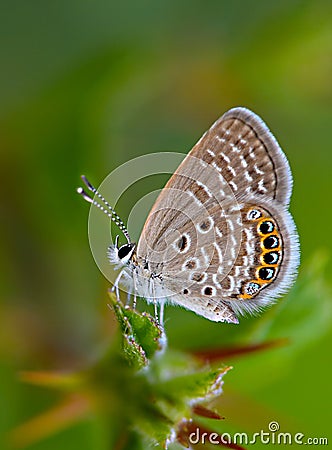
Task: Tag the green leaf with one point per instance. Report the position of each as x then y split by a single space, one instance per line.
201 384
133 352
142 335
178 394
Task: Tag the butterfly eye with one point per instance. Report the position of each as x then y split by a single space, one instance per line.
125 251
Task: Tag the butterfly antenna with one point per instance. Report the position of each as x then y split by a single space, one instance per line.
109 211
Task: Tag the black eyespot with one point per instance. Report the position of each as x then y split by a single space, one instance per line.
182 243
266 227
208 290
271 242
271 258
124 250
185 291
266 273
204 225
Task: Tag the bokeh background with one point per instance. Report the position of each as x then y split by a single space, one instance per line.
86 86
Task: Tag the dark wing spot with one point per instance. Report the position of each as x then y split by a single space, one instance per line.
266 273
182 243
271 257
271 242
208 290
266 227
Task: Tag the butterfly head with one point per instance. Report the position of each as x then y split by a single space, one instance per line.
121 256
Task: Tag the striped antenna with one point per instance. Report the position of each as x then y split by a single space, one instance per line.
109 211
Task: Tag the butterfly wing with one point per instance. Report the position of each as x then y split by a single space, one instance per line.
202 235
241 146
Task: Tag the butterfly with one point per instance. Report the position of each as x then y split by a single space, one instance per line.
219 240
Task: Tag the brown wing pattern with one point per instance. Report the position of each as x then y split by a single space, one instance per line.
219 234
241 146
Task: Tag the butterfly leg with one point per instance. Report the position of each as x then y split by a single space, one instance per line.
156 311
155 303
134 301
116 285
134 291
128 297
161 314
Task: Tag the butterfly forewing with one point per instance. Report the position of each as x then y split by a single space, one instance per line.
241 146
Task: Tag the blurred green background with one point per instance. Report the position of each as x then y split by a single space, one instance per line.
86 86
